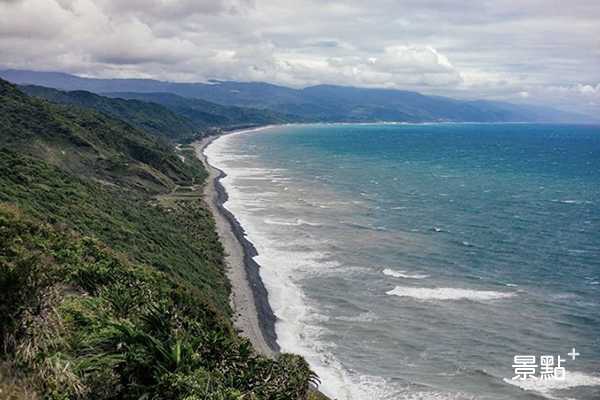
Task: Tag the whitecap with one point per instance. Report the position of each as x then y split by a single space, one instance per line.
562 296
364 317
296 222
447 293
572 201
439 230
547 386
362 226
402 274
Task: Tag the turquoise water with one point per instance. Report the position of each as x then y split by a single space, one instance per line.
416 261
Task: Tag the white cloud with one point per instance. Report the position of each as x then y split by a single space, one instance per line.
588 89
577 89
524 95
492 49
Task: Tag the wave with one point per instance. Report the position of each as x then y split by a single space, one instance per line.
299 325
236 157
364 317
547 386
572 201
296 222
366 227
447 294
402 274
428 230
439 230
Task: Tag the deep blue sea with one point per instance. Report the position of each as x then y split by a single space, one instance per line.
416 261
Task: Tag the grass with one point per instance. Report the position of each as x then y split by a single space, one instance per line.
150 117
180 240
112 276
80 321
90 144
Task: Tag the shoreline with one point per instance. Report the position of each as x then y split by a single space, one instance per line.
252 313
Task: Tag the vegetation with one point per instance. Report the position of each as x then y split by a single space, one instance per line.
213 114
113 286
78 321
180 240
164 114
89 143
150 117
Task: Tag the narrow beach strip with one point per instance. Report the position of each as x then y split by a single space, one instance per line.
253 315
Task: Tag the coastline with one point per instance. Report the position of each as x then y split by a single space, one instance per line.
252 313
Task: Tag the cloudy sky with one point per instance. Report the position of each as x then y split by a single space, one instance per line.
543 52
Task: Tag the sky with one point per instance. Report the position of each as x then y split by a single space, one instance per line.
542 52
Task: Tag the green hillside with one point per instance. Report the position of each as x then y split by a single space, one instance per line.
89 143
109 287
179 240
163 114
80 322
206 112
150 117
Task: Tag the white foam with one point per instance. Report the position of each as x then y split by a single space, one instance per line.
364 317
296 222
362 226
298 328
572 201
548 386
238 157
298 324
402 274
563 296
447 293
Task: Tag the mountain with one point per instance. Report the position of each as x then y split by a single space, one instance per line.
88 143
64 81
113 279
147 116
209 113
164 114
321 103
535 113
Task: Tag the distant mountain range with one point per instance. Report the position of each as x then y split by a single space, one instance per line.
322 103
208 113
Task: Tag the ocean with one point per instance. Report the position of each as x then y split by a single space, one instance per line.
417 261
